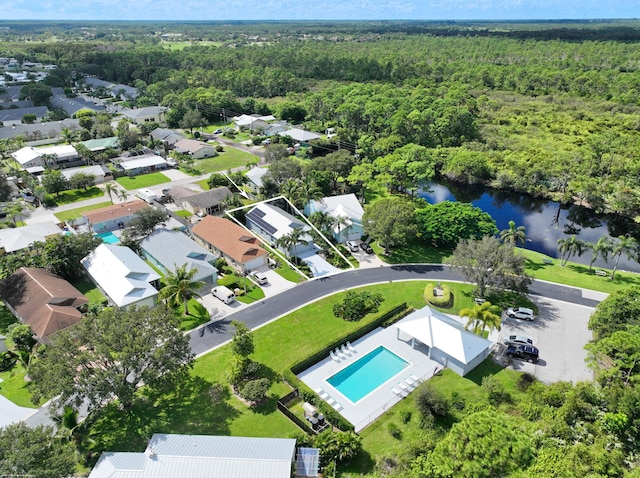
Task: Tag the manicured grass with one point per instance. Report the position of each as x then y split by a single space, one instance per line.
89 289
142 181
204 184
182 213
254 293
74 195
15 388
577 275
228 159
414 252
77 212
198 315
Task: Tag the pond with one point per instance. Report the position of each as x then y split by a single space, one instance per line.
545 221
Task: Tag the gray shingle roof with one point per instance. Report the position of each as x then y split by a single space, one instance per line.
210 198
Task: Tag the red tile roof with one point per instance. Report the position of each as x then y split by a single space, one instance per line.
115 211
233 240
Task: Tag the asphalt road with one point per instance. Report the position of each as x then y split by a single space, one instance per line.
219 332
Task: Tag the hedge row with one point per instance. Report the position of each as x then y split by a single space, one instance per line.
439 301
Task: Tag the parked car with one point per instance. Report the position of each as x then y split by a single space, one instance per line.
352 246
260 277
218 131
366 248
518 340
524 352
520 313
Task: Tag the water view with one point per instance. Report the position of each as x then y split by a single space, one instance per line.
545 221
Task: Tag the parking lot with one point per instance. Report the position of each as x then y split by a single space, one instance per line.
560 333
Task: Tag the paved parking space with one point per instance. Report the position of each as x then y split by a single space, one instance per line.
560 332
219 309
319 267
367 260
276 283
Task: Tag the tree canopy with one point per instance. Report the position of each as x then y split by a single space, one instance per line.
390 221
109 356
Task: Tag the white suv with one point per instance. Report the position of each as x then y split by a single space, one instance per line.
520 313
352 246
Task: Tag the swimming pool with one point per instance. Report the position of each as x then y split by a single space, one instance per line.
368 373
109 237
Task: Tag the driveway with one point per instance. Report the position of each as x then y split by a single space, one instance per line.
560 332
367 260
12 413
319 267
276 284
219 309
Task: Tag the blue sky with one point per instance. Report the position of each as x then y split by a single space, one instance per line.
316 9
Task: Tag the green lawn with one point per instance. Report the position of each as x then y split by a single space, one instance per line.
89 289
414 252
182 213
228 159
74 195
142 181
204 184
14 387
577 275
77 212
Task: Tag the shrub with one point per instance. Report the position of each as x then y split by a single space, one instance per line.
457 400
220 263
431 403
405 416
255 390
444 300
219 148
394 430
356 305
495 390
525 381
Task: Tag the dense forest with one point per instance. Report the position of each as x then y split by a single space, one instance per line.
552 112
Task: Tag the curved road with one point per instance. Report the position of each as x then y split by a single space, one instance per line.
218 332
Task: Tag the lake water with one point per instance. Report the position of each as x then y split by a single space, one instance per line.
545 221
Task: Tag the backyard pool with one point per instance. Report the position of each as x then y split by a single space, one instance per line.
109 237
368 373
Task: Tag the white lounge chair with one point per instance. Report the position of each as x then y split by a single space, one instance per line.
334 356
340 354
351 347
345 350
330 401
403 387
411 382
337 406
321 393
417 380
397 392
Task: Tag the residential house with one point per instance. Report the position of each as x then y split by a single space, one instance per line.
345 210
168 250
273 223
18 238
72 105
226 239
148 114
446 339
203 203
142 164
101 144
202 456
65 156
255 175
42 300
116 90
122 276
100 173
252 122
32 132
168 136
300 135
195 149
14 116
275 128
116 216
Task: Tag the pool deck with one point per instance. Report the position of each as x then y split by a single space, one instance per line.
371 406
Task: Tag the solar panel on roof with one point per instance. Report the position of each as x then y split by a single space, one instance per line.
307 462
257 219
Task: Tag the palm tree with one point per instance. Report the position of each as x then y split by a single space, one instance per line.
122 194
513 235
292 240
322 221
339 222
569 247
181 287
15 209
482 316
290 189
110 188
68 135
306 192
601 248
624 245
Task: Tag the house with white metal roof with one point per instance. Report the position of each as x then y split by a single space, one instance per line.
255 176
202 456
65 156
99 172
147 163
145 115
347 212
18 238
122 276
447 341
168 250
300 135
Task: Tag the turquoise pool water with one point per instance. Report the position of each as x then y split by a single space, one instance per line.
108 237
368 373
